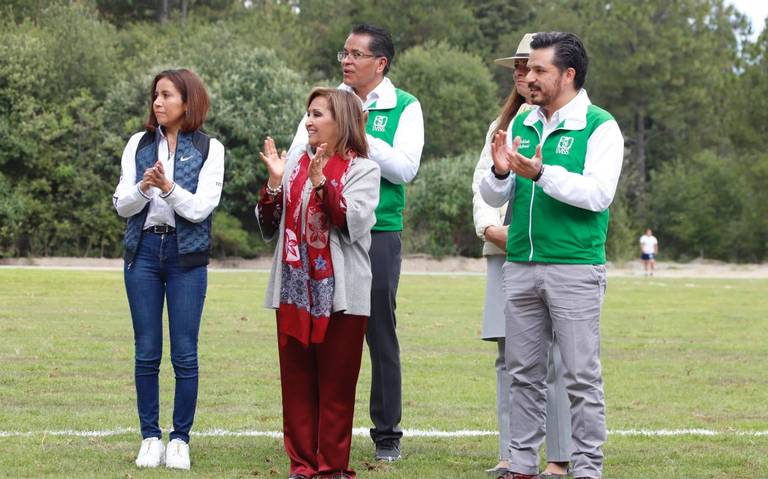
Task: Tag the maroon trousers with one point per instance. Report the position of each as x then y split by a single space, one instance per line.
318 384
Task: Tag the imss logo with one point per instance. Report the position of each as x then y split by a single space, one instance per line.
564 145
379 122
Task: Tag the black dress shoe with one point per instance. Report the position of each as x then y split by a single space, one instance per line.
387 452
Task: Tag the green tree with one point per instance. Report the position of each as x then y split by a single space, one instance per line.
696 205
231 239
254 95
502 24
456 93
621 244
748 112
410 22
122 12
51 86
663 69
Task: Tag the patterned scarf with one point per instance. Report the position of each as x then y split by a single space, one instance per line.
306 293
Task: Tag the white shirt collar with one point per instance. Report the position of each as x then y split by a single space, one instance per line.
573 114
383 95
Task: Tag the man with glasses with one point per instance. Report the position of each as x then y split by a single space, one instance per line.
395 139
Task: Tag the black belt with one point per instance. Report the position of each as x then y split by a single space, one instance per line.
160 229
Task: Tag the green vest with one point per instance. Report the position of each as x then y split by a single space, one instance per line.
382 124
546 230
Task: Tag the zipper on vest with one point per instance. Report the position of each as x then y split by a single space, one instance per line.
530 222
530 207
533 190
176 155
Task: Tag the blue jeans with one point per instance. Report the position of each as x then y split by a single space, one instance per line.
153 277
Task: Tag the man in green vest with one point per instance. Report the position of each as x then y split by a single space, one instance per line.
395 139
558 165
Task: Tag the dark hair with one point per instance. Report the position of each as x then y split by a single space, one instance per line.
193 94
508 111
347 112
569 53
381 42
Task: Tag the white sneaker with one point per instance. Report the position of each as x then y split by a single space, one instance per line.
177 455
151 453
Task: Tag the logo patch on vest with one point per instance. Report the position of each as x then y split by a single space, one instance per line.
524 143
379 122
564 145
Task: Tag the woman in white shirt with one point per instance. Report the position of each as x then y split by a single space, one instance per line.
171 180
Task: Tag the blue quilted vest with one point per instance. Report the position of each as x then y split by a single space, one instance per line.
194 239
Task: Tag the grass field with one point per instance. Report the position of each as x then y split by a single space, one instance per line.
677 354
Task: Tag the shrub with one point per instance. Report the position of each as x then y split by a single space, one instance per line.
457 96
698 205
230 239
438 211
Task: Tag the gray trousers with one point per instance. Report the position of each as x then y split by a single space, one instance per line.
386 386
542 299
558 432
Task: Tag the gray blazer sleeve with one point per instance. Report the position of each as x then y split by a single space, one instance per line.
361 193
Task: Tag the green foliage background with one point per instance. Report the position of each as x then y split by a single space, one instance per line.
683 79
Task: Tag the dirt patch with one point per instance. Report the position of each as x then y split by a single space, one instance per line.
427 264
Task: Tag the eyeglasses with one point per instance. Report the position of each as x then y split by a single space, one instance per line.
356 56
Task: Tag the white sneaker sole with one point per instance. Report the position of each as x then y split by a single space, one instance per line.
142 465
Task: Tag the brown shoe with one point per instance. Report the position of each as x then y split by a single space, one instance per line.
517 475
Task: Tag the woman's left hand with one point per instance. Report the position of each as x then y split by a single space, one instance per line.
156 177
317 164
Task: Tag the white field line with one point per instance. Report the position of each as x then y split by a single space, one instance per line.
229 270
362 431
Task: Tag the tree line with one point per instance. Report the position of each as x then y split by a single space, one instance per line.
682 77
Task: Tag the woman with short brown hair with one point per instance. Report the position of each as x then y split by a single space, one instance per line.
170 183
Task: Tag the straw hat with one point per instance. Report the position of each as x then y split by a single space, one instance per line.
522 52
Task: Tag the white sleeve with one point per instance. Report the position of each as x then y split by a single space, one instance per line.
399 163
593 189
301 137
495 191
128 198
197 206
483 214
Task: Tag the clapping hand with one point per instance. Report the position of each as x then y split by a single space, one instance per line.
500 153
155 176
275 164
506 157
316 165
